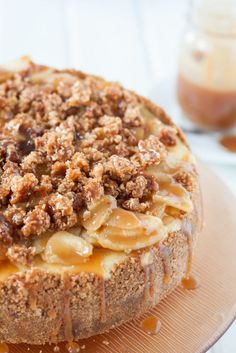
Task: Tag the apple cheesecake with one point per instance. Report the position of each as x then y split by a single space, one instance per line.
100 204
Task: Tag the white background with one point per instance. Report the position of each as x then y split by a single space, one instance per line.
135 42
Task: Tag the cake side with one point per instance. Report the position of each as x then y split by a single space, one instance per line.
36 307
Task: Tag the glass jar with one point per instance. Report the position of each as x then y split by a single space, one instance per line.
206 84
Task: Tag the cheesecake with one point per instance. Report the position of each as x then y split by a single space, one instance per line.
100 205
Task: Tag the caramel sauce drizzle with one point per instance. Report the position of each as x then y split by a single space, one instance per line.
32 299
103 300
164 252
151 325
149 286
4 348
94 263
152 281
32 290
67 319
7 269
187 230
188 281
146 282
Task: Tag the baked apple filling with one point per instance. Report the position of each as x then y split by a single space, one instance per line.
66 248
106 226
88 173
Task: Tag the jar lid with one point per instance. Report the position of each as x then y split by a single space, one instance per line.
216 16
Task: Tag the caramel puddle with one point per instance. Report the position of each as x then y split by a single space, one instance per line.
190 283
229 142
72 347
151 325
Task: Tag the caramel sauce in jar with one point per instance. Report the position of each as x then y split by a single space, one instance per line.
151 325
206 84
229 142
206 107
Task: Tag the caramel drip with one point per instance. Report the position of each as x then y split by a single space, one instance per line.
103 300
94 263
190 283
4 348
55 333
151 325
33 300
146 282
187 231
72 347
33 294
67 319
165 256
152 281
149 287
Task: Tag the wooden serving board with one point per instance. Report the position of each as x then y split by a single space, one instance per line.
191 321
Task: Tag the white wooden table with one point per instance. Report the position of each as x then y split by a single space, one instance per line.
133 41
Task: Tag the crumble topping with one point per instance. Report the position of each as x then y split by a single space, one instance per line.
65 143
21 254
187 179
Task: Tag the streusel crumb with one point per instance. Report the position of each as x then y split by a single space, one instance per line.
65 142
